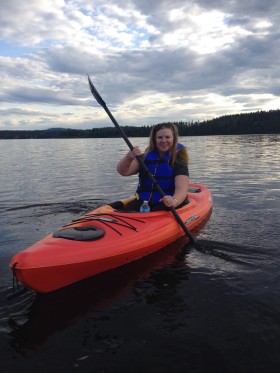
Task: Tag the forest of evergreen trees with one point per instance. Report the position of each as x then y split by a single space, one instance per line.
260 122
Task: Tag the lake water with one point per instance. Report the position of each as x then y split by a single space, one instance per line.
211 309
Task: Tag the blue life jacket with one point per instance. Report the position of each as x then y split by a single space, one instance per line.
163 174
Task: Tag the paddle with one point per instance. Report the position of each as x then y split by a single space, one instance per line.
139 158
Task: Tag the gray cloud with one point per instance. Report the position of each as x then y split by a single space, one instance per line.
152 61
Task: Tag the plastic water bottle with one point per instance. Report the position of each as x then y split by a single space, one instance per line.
145 207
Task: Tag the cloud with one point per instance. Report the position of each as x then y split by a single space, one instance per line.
151 61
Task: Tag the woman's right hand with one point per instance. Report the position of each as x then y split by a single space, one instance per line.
129 164
136 152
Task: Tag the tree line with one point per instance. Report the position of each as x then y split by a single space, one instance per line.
260 122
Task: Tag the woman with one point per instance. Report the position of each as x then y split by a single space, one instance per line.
168 163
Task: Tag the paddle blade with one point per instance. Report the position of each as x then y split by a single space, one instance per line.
95 94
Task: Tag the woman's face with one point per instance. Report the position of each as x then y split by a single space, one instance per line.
164 140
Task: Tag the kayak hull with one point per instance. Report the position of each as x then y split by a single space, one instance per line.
118 238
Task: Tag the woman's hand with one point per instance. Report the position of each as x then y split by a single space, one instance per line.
169 201
129 165
136 151
181 192
133 154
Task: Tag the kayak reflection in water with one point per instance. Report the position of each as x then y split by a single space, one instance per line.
167 161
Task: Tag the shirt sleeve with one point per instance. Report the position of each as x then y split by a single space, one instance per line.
181 168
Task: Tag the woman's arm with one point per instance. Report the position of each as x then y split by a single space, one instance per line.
129 165
180 194
181 189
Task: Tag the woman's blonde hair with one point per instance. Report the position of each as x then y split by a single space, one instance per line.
152 142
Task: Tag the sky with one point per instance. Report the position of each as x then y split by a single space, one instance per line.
152 61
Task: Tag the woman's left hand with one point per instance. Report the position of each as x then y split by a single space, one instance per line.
169 201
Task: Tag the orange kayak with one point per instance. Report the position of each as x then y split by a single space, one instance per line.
103 239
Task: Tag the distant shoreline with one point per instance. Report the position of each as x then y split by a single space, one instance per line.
260 122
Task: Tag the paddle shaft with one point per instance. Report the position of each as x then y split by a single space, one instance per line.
139 159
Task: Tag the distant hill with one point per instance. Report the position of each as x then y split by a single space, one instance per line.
56 129
260 122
